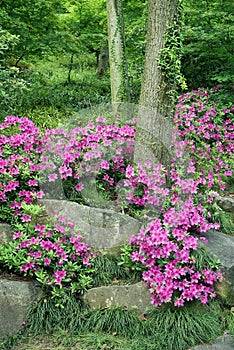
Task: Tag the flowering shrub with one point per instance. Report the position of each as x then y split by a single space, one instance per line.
19 165
210 131
54 254
165 247
96 155
101 156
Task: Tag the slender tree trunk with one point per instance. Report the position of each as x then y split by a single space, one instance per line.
154 130
103 61
117 58
70 69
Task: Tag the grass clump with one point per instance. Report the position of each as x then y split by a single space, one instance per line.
110 270
76 326
180 328
45 317
205 260
225 219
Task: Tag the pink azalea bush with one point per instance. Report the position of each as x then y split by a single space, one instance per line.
166 245
210 130
19 166
54 254
95 152
103 153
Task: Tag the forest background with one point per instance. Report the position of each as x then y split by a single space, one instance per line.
53 54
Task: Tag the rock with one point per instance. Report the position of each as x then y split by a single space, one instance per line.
132 296
221 246
15 298
225 203
224 342
5 233
103 229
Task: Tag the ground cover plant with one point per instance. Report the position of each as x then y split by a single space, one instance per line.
78 327
100 157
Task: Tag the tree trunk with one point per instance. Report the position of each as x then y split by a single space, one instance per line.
117 58
70 69
154 130
103 61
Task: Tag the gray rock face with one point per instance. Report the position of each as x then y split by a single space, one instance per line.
5 233
132 296
224 342
103 229
15 298
222 247
226 203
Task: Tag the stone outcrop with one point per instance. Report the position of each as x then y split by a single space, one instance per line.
15 298
225 203
5 233
221 246
224 342
103 229
131 296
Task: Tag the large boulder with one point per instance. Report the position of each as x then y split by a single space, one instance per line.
15 298
130 296
103 229
226 203
221 246
5 233
224 342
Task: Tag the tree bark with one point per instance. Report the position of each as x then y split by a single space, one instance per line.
103 61
154 130
117 58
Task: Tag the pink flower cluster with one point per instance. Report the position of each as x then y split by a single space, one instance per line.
83 152
58 251
19 164
165 248
210 131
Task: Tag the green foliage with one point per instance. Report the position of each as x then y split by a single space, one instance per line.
135 18
111 270
12 89
12 84
186 326
208 43
205 260
7 43
126 260
170 56
223 218
34 23
86 21
100 341
42 94
45 317
46 117
36 29
230 322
